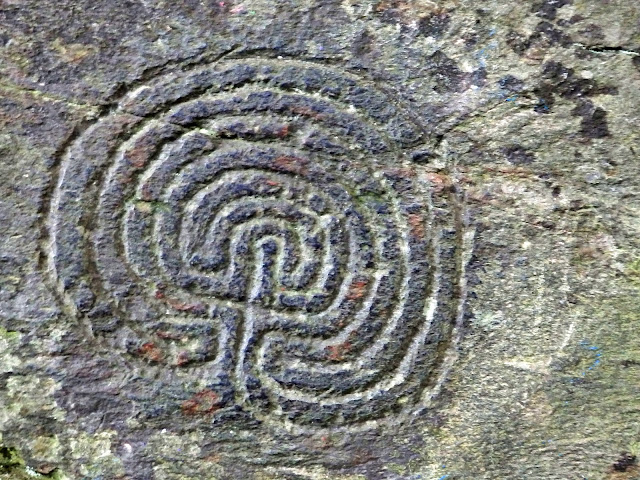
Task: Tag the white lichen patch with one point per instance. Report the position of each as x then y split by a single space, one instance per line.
172 445
95 453
317 473
32 395
46 449
488 320
167 472
8 342
181 457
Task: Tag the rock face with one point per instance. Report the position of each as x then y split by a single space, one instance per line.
320 240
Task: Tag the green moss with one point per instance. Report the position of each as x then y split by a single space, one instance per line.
8 334
633 271
395 468
634 448
10 458
14 467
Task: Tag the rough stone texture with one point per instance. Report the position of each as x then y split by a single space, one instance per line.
320 240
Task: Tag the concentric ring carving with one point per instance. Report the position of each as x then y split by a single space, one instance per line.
255 224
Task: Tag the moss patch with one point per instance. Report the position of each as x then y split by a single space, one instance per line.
14 467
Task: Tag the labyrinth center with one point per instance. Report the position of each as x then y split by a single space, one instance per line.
256 224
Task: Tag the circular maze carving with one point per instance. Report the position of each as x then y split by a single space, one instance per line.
255 225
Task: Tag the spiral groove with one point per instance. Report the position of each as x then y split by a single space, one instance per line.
254 223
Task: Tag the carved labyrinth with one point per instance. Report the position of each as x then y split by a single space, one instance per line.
255 224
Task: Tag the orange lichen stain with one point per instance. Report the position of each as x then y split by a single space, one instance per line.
184 307
417 225
213 458
403 172
325 441
182 359
319 442
139 155
357 290
151 352
283 131
145 192
168 335
204 402
291 164
307 112
438 182
336 353
322 442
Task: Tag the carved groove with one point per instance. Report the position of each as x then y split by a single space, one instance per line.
254 223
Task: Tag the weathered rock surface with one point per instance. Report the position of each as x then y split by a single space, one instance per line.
320 240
